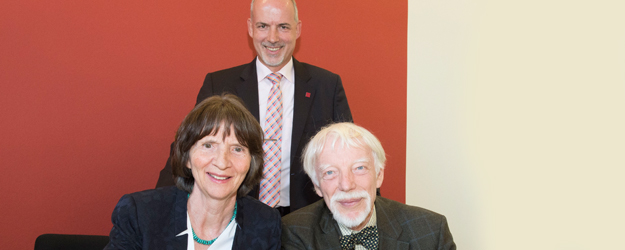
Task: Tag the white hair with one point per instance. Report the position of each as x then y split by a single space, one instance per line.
348 135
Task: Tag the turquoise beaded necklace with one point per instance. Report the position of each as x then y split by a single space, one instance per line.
210 242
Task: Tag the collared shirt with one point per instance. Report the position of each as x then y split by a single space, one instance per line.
346 231
287 85
224 240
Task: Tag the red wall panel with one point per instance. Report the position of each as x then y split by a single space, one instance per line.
91 93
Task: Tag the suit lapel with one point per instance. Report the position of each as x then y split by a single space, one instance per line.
330 232
304 94
247 89
389 228
180 220
239 241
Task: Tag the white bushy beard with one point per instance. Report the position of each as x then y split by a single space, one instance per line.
344 220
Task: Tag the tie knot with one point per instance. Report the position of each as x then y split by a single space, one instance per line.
274 78
367 237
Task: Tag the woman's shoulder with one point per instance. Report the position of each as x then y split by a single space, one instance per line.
155 197
249 205
157 192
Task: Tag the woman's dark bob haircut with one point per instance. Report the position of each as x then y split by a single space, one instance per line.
225 112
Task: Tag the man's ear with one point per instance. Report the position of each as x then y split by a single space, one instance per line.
250 27
380 178
298 29
318 191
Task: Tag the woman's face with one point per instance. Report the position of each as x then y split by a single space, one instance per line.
219 165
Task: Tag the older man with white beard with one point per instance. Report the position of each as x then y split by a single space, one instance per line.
346 164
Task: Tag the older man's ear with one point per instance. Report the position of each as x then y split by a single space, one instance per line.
379 180
318 191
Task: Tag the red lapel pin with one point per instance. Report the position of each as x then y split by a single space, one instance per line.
308 94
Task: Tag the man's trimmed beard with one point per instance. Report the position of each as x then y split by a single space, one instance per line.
344 220
267 59
269 63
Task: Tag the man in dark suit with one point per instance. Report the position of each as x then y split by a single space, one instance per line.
346 165
310 98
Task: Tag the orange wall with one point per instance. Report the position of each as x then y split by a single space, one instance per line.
91 93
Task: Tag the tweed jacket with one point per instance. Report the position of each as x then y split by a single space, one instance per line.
399 227
151 219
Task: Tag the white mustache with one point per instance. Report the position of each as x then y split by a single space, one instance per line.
339 196
359 216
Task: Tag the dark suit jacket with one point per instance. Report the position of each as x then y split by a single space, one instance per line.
399 227
319 100
151 219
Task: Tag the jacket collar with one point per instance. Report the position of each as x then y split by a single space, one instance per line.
303 97
389 228
247 90
180 219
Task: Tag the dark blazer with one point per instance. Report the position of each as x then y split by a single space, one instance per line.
399 227
151 219
319 100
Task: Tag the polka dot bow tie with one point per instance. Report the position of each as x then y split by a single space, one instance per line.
368 238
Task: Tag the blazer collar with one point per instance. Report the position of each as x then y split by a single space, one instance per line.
303 97
389 228
330 232
241 234
247 89
180 219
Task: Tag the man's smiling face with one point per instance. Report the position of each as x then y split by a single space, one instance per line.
274 30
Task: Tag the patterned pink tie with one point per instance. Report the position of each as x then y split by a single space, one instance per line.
270 184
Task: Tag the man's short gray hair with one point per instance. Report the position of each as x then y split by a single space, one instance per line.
294 7
346 134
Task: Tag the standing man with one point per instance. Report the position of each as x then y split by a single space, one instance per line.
290 99
346 165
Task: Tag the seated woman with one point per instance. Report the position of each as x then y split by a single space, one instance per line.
217 159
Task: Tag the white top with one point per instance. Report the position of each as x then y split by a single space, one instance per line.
224 240
287 85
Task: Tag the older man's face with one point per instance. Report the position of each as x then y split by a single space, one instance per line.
274 30
348 182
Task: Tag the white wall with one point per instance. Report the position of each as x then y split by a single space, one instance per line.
516 121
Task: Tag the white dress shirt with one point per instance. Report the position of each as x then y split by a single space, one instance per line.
287 86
